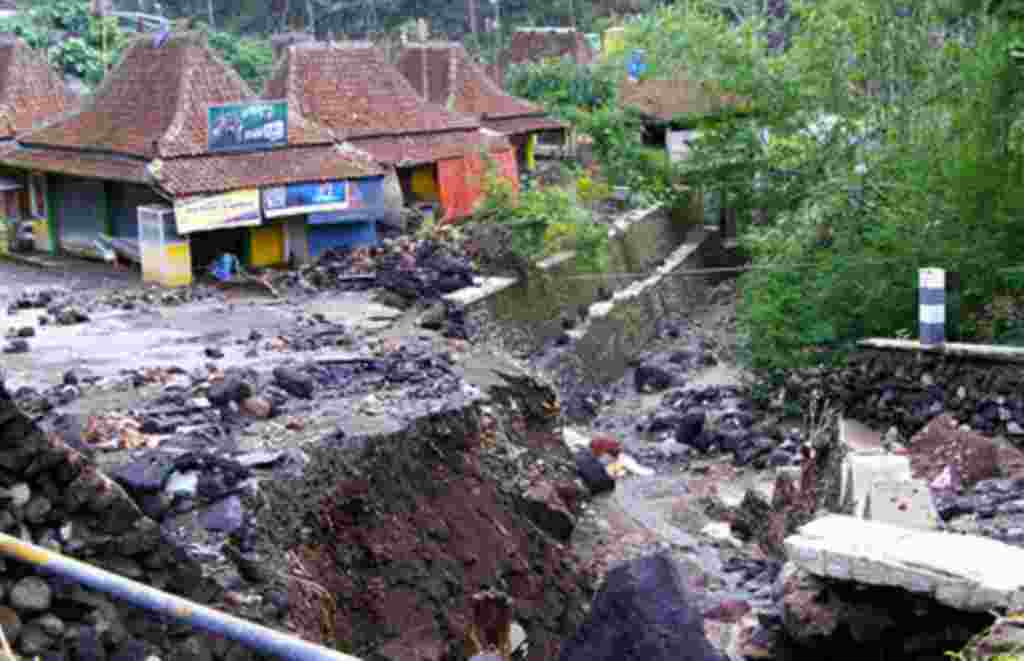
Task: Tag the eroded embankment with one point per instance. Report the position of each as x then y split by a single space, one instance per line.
388 537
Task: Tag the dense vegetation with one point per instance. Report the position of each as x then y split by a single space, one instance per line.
82 45
883 137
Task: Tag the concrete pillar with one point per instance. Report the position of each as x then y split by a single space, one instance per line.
932 301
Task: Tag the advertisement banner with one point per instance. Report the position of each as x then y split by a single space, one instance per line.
247 126
226 211
297 199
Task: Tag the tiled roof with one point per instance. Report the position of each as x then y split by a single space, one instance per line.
224 172
665 100
410 150
30 90
154 104
445 73
78 164
534 45
514 125
352 90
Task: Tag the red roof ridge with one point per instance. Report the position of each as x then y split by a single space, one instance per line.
357 93
465 85
31 92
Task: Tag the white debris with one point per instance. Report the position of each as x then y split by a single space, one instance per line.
966 572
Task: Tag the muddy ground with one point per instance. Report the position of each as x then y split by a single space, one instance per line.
662 511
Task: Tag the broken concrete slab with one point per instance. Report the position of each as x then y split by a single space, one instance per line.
859 438
483 288
965 572
906 503
860 471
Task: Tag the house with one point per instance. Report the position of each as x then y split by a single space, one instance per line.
351 89
30 93
175 127
670 105
537 44
444 73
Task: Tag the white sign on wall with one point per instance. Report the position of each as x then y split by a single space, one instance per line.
678 144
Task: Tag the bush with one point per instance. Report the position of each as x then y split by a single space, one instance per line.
545 221
252 58
563 87
90 47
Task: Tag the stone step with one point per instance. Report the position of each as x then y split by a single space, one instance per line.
965 572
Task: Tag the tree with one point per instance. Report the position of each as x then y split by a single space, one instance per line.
873 149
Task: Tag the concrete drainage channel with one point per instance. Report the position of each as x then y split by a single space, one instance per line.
582 329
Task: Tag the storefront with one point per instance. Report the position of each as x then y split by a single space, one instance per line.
333 215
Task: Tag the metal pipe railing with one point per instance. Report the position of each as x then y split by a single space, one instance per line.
261 639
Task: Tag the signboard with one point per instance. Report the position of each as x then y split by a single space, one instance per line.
637 65
247 126
678 144
217 212
297 199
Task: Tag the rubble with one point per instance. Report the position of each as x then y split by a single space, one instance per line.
965 572
644 611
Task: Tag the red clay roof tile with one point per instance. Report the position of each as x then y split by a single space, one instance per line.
519 125
665 100
224 172
532 45
154 104
351 89
446 74
31 92
78 164
411 150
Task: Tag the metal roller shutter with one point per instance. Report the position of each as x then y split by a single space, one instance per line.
81 209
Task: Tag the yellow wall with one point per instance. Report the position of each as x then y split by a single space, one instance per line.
169 265
178 265
614 40
266 247
424 184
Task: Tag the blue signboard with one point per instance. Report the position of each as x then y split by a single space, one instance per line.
297 199
637 64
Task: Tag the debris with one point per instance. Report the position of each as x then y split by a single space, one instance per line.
593 473
114 431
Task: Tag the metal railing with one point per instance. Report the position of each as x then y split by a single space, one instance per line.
257 637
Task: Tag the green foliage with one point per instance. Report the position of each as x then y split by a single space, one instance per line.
926 170
563 87
545 221
252 57
91 49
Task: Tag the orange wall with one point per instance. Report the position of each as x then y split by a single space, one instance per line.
461 181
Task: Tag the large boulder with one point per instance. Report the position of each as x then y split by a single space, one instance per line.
643 613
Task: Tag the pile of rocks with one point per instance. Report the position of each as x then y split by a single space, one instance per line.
410 270
906 389
52 496
716 419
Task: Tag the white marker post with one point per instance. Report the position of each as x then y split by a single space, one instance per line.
932 300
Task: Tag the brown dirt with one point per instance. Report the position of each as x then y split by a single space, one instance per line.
975 456
404 550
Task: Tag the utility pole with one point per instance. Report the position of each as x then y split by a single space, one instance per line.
471 9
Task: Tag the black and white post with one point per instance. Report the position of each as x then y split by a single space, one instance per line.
932 300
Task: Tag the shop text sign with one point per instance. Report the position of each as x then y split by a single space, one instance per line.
216 212
296 199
